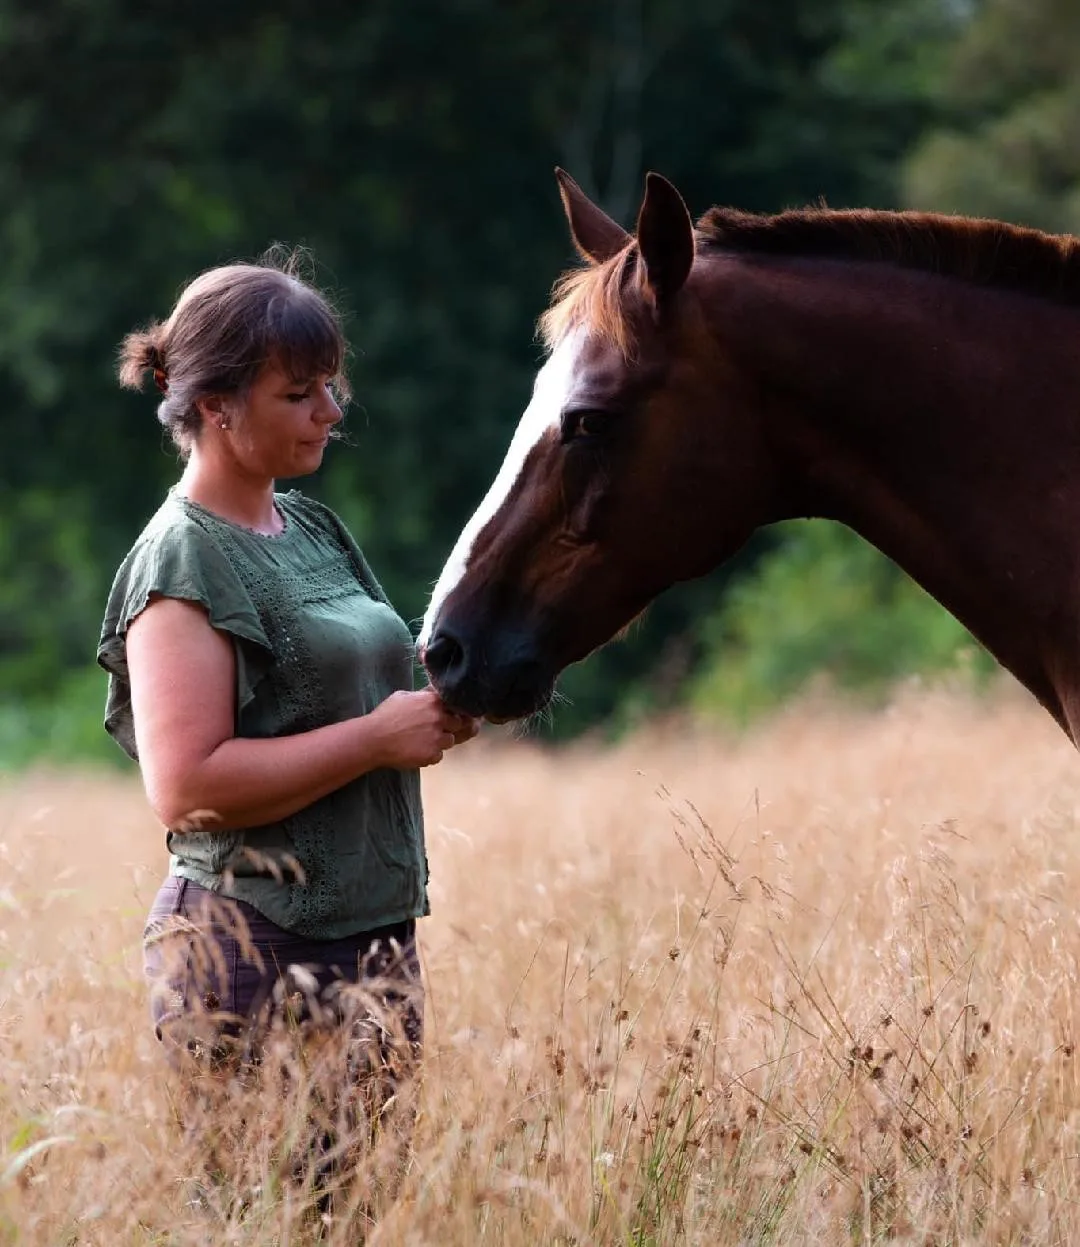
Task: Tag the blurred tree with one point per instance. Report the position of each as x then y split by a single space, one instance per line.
1008 145
826 607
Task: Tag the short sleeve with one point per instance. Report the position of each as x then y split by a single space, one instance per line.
178 561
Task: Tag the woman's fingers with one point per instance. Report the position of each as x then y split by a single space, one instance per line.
460 728
466 731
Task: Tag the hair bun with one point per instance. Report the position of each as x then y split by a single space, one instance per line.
140 353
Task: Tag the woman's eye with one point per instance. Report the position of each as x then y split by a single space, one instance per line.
298 398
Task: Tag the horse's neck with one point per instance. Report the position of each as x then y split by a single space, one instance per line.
937 420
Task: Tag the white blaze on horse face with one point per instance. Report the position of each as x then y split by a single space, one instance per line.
550 392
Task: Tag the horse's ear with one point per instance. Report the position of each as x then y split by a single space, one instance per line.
596 236
665 234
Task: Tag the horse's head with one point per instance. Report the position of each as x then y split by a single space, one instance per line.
635 465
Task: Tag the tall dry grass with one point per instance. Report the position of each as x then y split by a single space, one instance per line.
815 986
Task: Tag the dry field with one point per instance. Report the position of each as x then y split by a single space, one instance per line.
814 986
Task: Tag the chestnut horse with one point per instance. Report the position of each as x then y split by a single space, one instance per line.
914 376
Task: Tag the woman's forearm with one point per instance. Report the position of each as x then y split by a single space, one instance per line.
248 783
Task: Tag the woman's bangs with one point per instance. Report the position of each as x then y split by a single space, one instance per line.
304 340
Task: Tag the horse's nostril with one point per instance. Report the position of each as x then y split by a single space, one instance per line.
443 652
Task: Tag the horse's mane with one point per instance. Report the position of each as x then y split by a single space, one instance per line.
970 249
983 252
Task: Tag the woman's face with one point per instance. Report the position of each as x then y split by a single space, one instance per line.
283 427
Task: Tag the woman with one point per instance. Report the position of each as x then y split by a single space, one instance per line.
263 682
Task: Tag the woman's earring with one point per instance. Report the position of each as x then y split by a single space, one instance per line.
223 423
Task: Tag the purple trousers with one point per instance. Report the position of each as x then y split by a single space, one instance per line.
220 973
233 994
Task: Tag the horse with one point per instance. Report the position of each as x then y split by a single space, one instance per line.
914 376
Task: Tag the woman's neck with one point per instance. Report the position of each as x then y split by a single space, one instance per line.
235 496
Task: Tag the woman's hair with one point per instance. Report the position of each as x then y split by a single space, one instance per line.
227 324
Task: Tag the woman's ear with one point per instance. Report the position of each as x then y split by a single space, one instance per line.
215 409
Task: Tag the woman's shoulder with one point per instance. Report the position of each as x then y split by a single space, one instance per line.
171 532
178 556
294 504
319 520
310 512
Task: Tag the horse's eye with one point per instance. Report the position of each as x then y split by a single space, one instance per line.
583 426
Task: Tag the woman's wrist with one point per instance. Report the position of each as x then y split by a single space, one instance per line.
367 744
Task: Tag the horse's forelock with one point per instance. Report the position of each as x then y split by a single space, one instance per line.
592 299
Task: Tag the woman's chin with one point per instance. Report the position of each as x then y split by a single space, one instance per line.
306 461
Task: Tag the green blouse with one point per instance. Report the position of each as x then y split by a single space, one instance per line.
316 642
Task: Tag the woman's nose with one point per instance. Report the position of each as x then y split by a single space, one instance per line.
329 410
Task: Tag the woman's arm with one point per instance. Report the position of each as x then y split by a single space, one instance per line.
183 681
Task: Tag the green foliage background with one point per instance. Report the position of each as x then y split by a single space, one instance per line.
410 147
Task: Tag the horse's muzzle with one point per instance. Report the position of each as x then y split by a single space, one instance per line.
493 675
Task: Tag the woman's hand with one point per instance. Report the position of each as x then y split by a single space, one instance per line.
416 729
